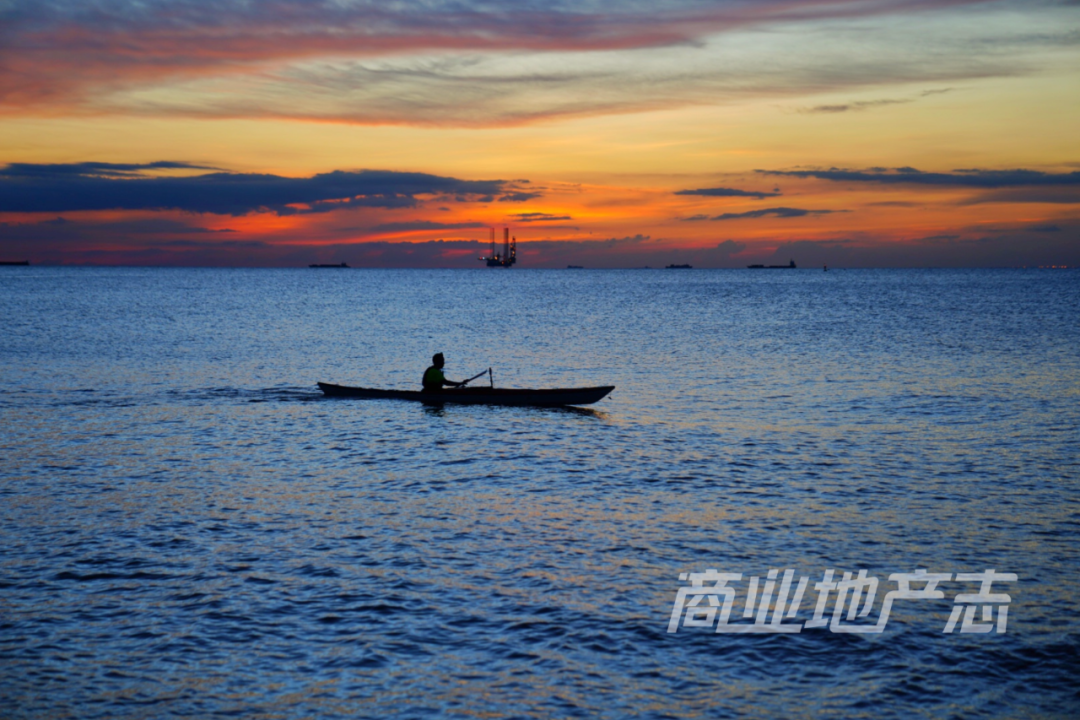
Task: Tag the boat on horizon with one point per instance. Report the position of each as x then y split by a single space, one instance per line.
789 266
680 267
546 397
318 265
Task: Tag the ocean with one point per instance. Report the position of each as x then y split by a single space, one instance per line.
190 529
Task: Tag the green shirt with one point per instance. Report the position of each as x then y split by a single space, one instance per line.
434 378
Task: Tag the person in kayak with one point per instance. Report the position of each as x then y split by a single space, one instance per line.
433 376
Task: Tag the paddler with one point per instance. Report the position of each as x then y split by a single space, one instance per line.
433 376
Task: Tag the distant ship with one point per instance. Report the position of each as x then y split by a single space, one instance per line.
341 265
14 262
509 253
680 267
575 267
789 266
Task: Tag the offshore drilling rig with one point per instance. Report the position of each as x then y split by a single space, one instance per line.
509 253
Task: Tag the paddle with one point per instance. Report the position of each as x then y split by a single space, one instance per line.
466 382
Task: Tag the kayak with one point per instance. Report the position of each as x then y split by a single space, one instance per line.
550 397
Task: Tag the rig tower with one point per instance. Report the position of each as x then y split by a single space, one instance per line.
509 254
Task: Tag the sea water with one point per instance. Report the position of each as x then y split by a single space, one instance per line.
189 529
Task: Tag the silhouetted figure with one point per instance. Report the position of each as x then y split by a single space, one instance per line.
433 376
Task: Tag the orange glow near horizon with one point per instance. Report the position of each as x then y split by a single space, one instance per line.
586 173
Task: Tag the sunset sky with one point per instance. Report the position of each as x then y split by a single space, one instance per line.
853 133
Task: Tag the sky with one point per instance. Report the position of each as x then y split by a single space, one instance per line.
847 133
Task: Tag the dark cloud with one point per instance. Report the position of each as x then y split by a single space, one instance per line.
1056 195
638 239
868 104
728 192
103 186
95 169
425 225
538 217
973 178
780 212
519 196
61 232
855 106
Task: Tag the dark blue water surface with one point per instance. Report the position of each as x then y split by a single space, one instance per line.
189 529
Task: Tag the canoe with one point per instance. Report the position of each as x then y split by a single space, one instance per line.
550 397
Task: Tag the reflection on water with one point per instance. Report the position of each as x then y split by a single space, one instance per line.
190 528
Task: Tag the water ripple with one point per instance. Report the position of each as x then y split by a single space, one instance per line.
191 529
